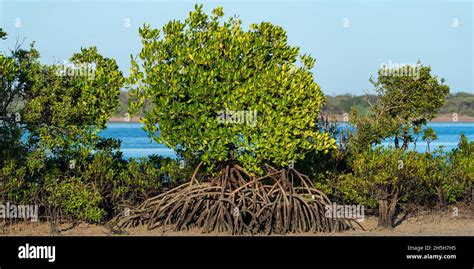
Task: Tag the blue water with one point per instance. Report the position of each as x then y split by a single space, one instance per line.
136 143
448 135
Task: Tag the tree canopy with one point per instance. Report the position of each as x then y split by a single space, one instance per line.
201 69
403 104
69 103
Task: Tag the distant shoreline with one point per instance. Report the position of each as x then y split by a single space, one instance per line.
337 117
123 119
439 118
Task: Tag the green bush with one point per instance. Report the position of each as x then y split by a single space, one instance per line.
75 198
383 177
87 186
14 184
462 166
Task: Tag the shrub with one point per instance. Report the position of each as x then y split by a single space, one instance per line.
383 176
14 184
73 198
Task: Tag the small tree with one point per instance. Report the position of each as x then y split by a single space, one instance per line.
68 104
462 163
407 98
429 136
15 83
382 177
232 98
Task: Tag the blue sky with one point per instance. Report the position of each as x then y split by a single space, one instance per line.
438 33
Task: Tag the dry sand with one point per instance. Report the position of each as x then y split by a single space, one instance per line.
423 223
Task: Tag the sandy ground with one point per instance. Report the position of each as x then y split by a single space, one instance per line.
423 223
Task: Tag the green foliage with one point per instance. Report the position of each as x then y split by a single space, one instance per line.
462 167
344 103
326 167
107 182
12 147
14 183
413 99
419 178
75 198
142 178
194 70
3 35
66 110
404 104
448 176
185 76
14 86
461 103
96 187
429 135
123 108
382 173
440 179
51 153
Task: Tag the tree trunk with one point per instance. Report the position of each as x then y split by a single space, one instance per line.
441 197
405 144
406 139
396 141
472 195
387 209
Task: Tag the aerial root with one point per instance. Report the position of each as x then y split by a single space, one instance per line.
236 202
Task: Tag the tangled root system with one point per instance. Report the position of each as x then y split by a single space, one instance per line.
282 201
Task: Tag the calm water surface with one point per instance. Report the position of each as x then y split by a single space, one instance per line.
136 143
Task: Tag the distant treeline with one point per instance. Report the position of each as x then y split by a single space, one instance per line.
461 103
